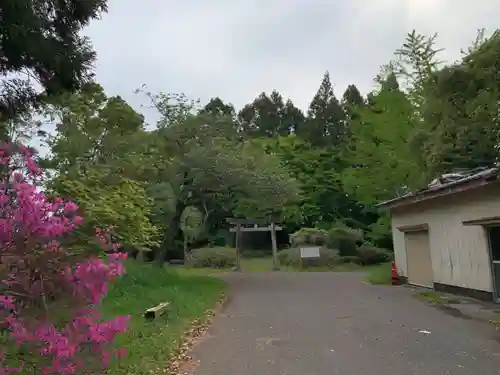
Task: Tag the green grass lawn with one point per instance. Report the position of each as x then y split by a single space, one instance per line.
377 274
149 344
380 274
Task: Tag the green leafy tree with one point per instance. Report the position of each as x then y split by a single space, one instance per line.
100 156
461 111
208 166
318 171
381 164
41 42
267 116
416 62
119 203
94 130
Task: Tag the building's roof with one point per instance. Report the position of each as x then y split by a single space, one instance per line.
445 185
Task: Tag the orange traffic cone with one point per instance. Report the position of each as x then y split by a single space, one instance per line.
395 276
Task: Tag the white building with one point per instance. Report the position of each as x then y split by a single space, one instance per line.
447 237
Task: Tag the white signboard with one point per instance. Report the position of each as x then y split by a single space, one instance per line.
309 252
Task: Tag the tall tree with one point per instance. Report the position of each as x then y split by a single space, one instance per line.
293 118
381 162
462 110
323 200
99 155
352 96
381 165
351 100
41 40
264 116
94 130
325 117
207 166
217 107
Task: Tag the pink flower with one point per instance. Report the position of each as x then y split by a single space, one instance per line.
78 220
30 230
70 207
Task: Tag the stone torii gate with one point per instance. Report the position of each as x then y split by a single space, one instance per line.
249 225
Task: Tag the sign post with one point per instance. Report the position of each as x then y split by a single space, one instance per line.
276 266
237 245
309 253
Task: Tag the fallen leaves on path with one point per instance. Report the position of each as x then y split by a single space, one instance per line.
181 363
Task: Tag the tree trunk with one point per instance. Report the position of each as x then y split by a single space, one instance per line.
172 230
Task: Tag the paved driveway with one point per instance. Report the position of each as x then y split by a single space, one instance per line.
333 324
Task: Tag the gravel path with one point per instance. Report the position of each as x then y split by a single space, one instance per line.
333 324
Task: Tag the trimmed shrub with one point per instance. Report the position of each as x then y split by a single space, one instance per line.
373 255
345 239
309 236
213 257
291 257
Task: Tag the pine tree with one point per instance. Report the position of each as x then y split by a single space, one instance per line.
351 102
293 117
352 96
325 117
390 83
217 107
264 116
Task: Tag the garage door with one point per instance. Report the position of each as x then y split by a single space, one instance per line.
418 258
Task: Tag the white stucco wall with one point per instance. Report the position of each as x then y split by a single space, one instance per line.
460 254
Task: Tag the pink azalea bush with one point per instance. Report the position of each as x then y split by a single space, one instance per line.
49 295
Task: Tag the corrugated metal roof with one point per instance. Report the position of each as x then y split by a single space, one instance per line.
447 181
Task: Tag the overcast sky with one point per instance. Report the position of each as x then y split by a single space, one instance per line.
237 49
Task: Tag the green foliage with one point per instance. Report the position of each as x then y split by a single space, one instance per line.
213 257
267 179
265 116
345 240
208 166
191 223
94 130
318 172
118 203
309 236
462 110
325 124
382 165
350 259
34 34
252 254
291 257
380 231
369 255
